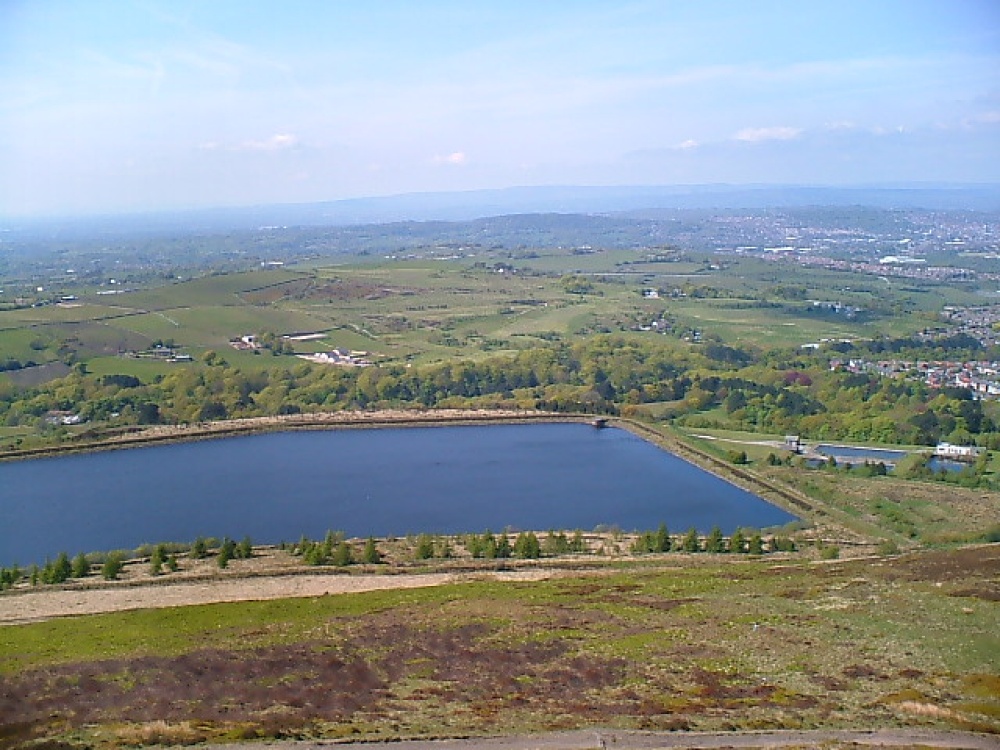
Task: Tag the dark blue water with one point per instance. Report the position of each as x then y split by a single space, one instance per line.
377 482
943 464
864 454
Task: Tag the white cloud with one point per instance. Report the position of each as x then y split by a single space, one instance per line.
688 144
277 142
456 159
778 133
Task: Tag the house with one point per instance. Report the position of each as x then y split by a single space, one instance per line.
957 452
793 443
63 417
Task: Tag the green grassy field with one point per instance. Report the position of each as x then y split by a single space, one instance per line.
697 645
431 310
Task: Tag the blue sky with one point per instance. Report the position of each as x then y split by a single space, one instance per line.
126 105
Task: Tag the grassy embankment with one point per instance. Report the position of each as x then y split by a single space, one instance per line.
680 642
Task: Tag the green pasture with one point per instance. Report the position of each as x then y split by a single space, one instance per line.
716 644
55 314
219 289
144 369
25 344
210 325
733 321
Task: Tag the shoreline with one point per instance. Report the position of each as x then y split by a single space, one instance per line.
165 434
794 502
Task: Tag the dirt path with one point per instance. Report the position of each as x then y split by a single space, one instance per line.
598 739
33 605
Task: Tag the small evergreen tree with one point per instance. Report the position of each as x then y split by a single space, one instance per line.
643 543
371 555
172 564
714 542
691 541
756 545
489 545
527 546
61 569
9 577
244 550
781 544
199 550
556 544
662 543
504 550
156 561
314 553
342 555
578 544
425 547
737 542
112 567
81 567
474 545
226 552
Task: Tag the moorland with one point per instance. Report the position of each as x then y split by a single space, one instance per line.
877 610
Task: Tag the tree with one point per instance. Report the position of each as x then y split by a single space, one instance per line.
781 544
556 544
503 550
714 541
644 542
156 561
226 552
342 555
662 543
112 567
81 567
474 545
737 542
488 544
577 543
425 547
199 550
9 577
737 457
244 549
371 555
313 553
527 546
691 541
58 571
756 545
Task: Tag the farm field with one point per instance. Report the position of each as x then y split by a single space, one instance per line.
426 309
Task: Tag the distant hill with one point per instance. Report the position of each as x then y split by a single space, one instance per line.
463 206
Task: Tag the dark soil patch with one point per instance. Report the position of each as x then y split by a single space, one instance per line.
950 566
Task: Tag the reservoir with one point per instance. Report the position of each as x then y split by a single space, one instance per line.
860 455
382 482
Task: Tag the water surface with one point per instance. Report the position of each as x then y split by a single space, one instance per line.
379 482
